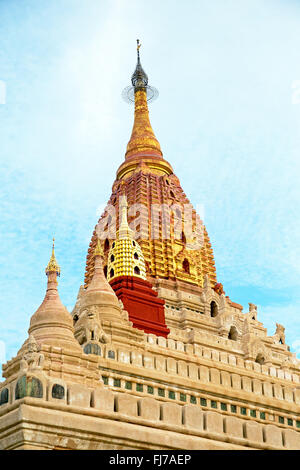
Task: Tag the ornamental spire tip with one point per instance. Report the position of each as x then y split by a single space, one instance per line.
53 265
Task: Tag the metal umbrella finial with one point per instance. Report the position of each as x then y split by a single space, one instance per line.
139 81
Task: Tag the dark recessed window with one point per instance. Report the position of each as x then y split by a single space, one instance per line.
136 270
193 400
233 408
281 419
213 404
111 355
182 397
139 387
203 402
4 396
243 411
260 359
105 379
233 334
290 422
128 385
213 309
150 389
28 387
20 391
92 348
161 392
58 391
262 415
106 245
223 406
171 394
186 266
298 424
117 383
253 413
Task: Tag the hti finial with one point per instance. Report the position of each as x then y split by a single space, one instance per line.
139 81
53 266
139 78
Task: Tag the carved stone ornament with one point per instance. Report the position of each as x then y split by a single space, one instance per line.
32 359
279 336
89 328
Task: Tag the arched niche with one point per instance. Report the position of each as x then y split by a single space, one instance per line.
4 395
233 334
213 309
92 348
58 391
28 387
106 245
260 358
186 266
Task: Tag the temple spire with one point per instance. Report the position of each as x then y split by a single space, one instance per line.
125 257
52 324
143 142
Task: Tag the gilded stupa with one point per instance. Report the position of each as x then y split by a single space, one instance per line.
147 179
125 257
154 355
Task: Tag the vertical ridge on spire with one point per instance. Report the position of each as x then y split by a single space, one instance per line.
124 230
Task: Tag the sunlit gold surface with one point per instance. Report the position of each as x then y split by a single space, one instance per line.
146 178
125 254
53 266
142 140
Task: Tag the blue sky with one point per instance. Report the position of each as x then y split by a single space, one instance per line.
227 118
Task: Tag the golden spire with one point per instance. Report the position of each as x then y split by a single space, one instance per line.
125 257
142 141
53 266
